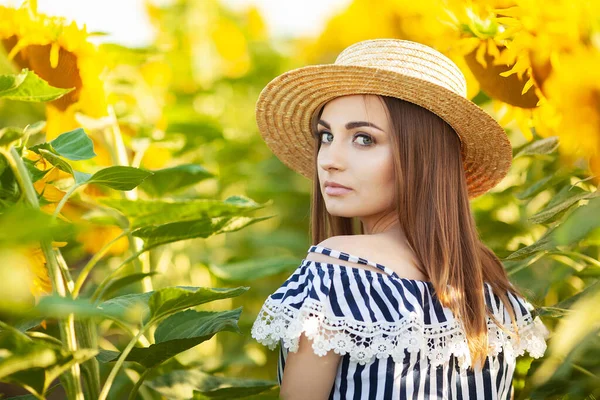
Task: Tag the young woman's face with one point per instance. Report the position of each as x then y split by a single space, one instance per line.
356 152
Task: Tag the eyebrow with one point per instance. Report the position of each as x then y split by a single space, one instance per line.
352 124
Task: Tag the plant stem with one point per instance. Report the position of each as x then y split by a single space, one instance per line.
22 175
64 268
61 262
585 371
87 337
64 199
66 327
119 156
582 256
142 339
93 261
113 372
138 384
97 295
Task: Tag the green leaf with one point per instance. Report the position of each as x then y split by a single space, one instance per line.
574 330
105 216
35 128
34 173
542 146
119 177
9 82
170 300
589 272
169 180
561 202
192 324
254 268
23 353
106 356
535 188
26 324
81 177
156 212
567 303
54 306
34 363
196 133
117 284
134 306
181 384
9 135
25 397
579 224
32 397
55 160
544 243
74 145
27 86
22 225
202 228
181 332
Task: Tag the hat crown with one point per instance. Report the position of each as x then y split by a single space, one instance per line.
408 58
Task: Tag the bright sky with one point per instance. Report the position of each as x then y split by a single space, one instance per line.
127 23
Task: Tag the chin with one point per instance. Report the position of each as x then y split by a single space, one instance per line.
339 212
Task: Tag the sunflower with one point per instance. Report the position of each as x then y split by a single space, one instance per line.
95 239
60 53
539 35
501 69
402 19
46 186
40 284
92 239
573 90
559 49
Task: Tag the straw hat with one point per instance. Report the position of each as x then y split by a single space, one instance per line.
399 68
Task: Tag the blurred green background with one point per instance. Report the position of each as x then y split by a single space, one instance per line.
187 98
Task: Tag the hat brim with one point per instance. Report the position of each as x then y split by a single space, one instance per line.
287 104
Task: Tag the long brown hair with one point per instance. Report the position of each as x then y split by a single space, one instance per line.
434 212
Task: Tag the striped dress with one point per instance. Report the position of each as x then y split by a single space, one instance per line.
395 339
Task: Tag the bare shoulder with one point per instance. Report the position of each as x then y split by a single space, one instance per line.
373 248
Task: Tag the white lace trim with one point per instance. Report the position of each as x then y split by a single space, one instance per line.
364 340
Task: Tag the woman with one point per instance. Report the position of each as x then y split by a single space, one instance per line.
400 298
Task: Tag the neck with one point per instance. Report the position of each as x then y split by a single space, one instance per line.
387 224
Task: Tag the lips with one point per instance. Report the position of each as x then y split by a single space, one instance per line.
336 185
335 189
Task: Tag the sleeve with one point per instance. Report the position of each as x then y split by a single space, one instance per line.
327 303
367 314
531 334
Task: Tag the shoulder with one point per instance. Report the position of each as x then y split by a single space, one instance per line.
350 244
373 248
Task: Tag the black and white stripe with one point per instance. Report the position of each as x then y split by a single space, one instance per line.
368 296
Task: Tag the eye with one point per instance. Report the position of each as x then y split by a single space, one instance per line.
369 138
321 133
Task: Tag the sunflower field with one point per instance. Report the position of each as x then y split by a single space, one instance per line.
141 213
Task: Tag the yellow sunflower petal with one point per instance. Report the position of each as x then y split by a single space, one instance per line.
527 86
480 54
60 53
493 48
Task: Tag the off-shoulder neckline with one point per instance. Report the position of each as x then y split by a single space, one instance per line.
386 271
368 272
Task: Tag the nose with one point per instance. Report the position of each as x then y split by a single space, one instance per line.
332 155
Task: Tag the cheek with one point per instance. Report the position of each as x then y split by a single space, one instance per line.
378 170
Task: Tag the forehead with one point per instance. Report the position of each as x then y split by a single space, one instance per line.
357 107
